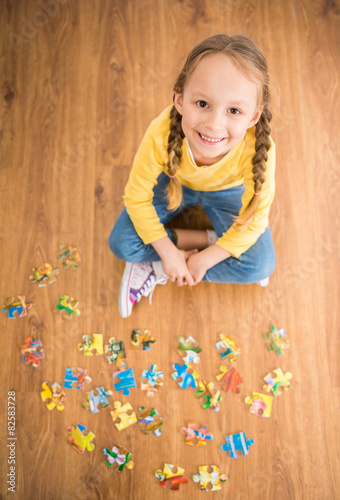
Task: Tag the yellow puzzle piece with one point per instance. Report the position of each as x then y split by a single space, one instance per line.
123 415
54 397
92 344
260 404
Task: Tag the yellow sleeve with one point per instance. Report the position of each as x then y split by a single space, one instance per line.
148 164
237 242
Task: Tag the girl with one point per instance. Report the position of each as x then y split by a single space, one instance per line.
211 148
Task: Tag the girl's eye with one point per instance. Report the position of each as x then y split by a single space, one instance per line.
202 104
234 111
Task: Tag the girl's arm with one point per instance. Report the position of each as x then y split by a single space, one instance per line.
174 261
200 262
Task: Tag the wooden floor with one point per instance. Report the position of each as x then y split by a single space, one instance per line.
80 82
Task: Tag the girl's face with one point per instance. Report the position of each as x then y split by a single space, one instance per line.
218 105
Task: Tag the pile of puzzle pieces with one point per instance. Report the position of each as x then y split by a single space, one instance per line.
99 398
187 377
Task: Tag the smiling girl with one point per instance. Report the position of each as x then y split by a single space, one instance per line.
211 148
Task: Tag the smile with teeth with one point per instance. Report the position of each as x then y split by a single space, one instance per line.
209 139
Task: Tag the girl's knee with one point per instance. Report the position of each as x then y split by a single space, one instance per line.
127 246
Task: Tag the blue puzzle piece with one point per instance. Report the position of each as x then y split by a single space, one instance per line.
126 380
93 400
153 375
237 442
187 378
77 379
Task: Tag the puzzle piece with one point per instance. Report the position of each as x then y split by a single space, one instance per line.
76 378
53 397
237 442
32 351
96 399
211 398
278 340
119 457
80 439
154 380
260 404
228 347
44 274
92 344
69 305
167 475
123 415
115 353
16 307
231 378
69 256
196 433
184 377
280 381
189 350
141 338
150 421
124 380
212 478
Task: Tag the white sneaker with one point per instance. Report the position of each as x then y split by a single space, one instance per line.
264 282
139 280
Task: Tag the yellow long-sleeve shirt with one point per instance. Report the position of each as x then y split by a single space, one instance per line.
234 169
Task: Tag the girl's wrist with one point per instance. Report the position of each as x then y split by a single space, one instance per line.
213 255
164 247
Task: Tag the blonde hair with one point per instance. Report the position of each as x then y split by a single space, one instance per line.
250 60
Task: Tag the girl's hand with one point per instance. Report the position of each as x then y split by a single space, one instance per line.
175 266
197 266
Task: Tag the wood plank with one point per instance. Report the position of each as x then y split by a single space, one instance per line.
80 83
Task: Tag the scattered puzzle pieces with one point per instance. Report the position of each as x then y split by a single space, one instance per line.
53 397
76 378
124 380
69 305
237 442
80 439
141 338
210 397
154 380
213 478
115 353
260 404
150 421
231 378
278 340
118 457
184 377
189 350
69 256
123 415
228 347
16 307
97 400
44 274
196 434
32 351
280 381
167 475
92 344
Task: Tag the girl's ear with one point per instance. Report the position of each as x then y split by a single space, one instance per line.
256 117
178 102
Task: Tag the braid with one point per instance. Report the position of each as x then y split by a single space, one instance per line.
262 146
175 141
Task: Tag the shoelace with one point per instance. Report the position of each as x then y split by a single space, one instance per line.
149 286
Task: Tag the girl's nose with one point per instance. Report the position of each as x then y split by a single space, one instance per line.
216 122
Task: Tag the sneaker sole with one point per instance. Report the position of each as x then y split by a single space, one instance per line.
124 303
